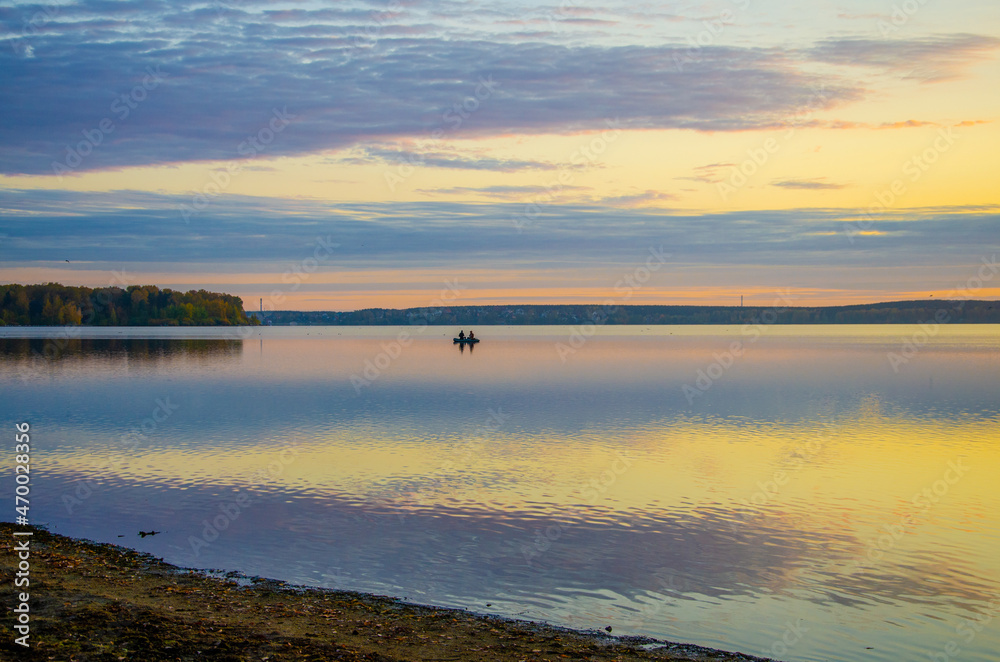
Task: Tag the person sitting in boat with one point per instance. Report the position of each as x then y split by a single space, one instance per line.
472 336
461 335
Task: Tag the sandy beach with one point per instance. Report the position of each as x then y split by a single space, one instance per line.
91 601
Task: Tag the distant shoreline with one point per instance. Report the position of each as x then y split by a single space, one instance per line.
928 311
892 312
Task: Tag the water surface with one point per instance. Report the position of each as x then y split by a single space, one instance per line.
814 493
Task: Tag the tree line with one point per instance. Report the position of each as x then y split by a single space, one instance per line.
894 312
136 305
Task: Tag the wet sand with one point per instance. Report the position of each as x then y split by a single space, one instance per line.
91 601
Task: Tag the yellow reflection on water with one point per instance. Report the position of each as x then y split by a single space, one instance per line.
837 470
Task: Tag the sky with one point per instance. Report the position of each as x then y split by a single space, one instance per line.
405 153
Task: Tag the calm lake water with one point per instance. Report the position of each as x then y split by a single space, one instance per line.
822 493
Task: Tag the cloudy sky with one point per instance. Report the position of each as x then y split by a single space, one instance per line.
352 154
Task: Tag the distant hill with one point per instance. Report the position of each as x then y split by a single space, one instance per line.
893 312
53 304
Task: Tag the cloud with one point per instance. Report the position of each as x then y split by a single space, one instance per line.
855 17
590 21
845 124
643 199
712 173
507 192
908 124
349 76
111 230
927 60
446 159
809 184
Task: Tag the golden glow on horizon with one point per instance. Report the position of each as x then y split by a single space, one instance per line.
357 290
939 164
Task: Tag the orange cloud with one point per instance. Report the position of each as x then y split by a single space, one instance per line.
905 124
908 124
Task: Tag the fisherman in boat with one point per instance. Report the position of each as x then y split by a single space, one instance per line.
472 336
461 335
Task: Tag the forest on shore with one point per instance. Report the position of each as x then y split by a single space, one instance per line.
53 304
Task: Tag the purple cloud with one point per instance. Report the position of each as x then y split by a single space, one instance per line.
348 77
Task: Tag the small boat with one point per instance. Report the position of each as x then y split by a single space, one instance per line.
466 341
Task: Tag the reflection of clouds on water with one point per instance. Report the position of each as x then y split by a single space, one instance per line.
457 556
763 505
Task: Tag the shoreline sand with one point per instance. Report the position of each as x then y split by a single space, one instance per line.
97 601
